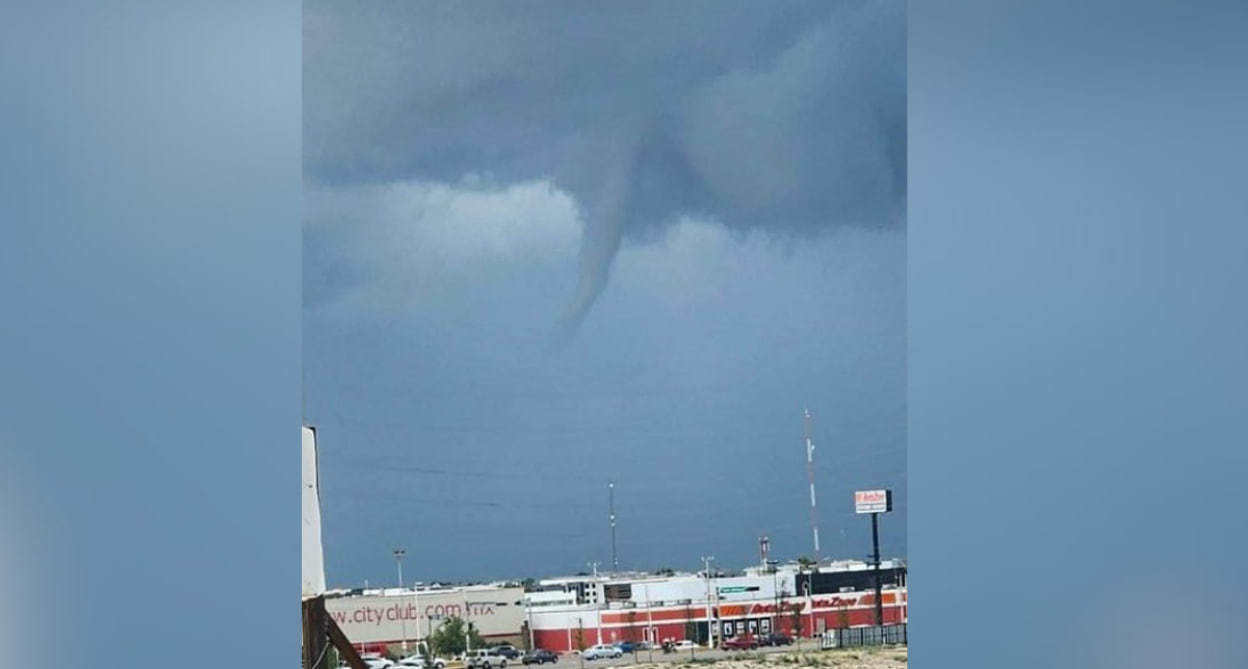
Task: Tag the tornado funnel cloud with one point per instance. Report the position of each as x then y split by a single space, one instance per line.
604 230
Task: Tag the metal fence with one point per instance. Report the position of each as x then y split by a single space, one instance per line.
864 636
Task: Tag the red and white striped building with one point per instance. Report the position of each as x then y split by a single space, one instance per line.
567 613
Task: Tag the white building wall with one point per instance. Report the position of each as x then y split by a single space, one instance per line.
393 617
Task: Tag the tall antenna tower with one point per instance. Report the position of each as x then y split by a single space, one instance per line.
615 563
810 474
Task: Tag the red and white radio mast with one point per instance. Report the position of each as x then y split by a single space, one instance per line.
810 473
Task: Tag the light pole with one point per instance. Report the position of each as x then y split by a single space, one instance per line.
706 575
598 616
528 613
599 624
649 623
416 603
467 626
810 609
398 560
775 593
580 641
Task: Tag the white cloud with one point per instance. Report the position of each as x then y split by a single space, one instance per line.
412 240
705 267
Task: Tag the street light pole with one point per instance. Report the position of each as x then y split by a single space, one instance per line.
528 612
398 560
580 641
810 609
775 591
416 603
706 575
467 625
598 615
649 622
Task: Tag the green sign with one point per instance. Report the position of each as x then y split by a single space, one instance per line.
735 588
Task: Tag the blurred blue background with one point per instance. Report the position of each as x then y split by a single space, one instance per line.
149 344
1077 329
1077 333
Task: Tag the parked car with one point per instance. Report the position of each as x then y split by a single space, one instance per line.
539 656
376 661
628 647
485 659
601 651
508 651
684 644
418 660
775 639
643 645
744 642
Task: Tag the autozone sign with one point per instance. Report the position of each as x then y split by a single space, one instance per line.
873 501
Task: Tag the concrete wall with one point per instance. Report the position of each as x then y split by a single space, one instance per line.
496 612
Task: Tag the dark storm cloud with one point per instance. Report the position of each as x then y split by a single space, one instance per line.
786 116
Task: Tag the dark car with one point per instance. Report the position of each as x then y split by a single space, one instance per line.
775 640
628 647
539 656
740 643
507 651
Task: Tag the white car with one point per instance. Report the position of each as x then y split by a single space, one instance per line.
375 661
485 659
602 650
684 644
419 661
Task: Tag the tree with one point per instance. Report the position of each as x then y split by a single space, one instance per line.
580 641
795 619
453 635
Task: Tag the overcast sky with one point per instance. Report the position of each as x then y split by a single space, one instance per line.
549 244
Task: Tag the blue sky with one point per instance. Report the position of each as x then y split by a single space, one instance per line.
550 248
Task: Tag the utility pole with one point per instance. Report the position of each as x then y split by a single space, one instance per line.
706 574
615 563
810 474
398 559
